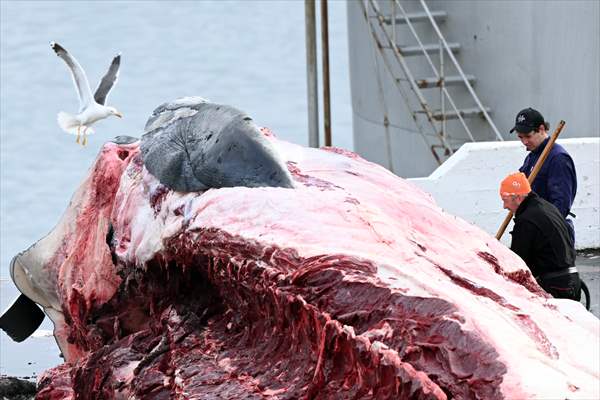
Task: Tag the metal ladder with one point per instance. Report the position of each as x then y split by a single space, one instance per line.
384 25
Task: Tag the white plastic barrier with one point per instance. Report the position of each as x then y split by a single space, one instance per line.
467 185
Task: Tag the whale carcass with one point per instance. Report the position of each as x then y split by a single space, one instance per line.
327 278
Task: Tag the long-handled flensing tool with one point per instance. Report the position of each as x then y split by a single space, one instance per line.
534 172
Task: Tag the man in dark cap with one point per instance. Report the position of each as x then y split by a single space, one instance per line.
556 181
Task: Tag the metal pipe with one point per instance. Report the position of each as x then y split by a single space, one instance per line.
442 87
534 172
311 72
325 56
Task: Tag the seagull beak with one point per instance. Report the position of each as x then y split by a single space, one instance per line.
118 114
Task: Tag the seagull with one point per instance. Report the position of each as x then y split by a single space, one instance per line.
91 109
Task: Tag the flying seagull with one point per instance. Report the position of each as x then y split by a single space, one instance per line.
91 109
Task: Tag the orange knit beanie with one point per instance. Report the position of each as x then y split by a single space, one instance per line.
516 183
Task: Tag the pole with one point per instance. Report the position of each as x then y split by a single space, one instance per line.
534 172
311 72
325 55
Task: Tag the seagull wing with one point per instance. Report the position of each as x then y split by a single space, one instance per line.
78 74
108 80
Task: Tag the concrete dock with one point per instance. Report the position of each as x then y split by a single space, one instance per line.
588 265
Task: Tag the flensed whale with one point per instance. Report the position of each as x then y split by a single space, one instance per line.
354 284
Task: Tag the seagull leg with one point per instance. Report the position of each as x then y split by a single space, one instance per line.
78 128
84 136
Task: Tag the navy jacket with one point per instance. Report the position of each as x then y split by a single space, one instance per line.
556 182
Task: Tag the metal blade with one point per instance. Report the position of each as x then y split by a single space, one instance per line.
21 319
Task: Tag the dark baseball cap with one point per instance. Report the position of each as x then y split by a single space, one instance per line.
527 120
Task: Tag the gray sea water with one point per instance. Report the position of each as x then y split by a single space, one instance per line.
247 54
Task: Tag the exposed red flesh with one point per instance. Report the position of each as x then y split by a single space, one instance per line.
353 285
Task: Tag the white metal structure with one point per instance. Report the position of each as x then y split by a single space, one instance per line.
527 53
384 19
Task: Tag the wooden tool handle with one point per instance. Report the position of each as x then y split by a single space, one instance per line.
534 172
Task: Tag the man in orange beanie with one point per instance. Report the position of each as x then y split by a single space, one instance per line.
541 238
513 190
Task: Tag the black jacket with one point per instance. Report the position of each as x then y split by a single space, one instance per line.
541 237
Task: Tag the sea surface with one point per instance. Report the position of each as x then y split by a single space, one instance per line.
247 54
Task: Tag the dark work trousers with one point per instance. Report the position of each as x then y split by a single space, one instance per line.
566 286
571 228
